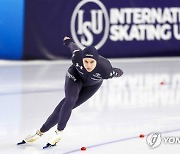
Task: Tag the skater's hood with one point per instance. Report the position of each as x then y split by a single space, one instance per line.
90 52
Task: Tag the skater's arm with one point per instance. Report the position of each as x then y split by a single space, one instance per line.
108 70
69 43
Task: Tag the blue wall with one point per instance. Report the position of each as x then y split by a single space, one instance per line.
11 29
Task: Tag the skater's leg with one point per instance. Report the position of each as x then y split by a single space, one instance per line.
75 95
86 93
50 122
52 119
72 89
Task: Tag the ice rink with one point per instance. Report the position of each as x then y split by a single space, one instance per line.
144 100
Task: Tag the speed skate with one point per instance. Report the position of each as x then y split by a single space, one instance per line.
31 138
54 139
51 142
20 143
48 145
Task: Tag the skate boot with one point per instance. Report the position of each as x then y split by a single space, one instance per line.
54 139
32 138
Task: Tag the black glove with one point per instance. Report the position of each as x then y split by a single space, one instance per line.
117 72
67 40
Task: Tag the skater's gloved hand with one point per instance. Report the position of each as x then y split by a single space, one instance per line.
67 40
117 72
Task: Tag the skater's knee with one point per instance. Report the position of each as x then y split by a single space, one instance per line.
70 102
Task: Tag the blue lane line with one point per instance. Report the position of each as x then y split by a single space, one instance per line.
29 92
115 141
102 144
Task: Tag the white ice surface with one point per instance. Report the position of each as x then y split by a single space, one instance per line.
145 100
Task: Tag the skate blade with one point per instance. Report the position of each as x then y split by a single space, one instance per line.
20 143
48 145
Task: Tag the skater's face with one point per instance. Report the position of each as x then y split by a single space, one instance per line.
89 64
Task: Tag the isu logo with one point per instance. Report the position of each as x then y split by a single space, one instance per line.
86 24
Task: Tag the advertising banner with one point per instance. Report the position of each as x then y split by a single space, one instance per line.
118 29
